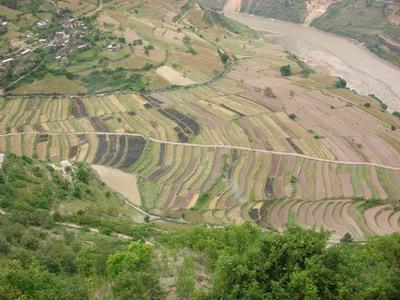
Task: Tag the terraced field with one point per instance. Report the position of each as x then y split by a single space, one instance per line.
218 185
338 215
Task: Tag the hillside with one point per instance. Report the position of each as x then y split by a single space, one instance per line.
292 10
159 150
64 48
58 225
374 23
43 255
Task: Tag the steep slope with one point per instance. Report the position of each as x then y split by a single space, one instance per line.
374 23
120 45
233 6
316 8
371 22
289 10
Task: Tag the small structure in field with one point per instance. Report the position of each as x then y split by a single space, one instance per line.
7 60
42 23
113 47
26 51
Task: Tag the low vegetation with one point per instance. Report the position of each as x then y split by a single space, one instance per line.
114 80
290 10
40 256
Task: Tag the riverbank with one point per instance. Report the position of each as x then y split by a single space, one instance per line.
364 71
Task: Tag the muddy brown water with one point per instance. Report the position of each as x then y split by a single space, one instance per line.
364 71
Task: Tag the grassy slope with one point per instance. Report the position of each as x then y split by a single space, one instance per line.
285 10
38 256
365 23
37 187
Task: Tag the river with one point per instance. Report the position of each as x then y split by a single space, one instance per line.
364 71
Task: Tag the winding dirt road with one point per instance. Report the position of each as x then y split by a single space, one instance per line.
218 146
92 13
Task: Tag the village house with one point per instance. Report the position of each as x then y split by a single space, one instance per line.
113 47
42 23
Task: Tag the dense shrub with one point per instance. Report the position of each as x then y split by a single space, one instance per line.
286 70
340 83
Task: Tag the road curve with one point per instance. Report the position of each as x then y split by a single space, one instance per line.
218 146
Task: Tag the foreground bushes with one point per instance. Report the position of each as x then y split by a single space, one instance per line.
248 263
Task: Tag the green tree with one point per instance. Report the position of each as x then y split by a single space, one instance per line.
132 273
136 258
82 173
4 246
91 261
262 269
34 282
347 238
286 70
223 56
340 83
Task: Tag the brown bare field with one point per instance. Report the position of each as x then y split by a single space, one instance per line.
174 77
121 182
9 12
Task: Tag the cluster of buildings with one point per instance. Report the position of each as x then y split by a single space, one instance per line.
64 41
70 38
